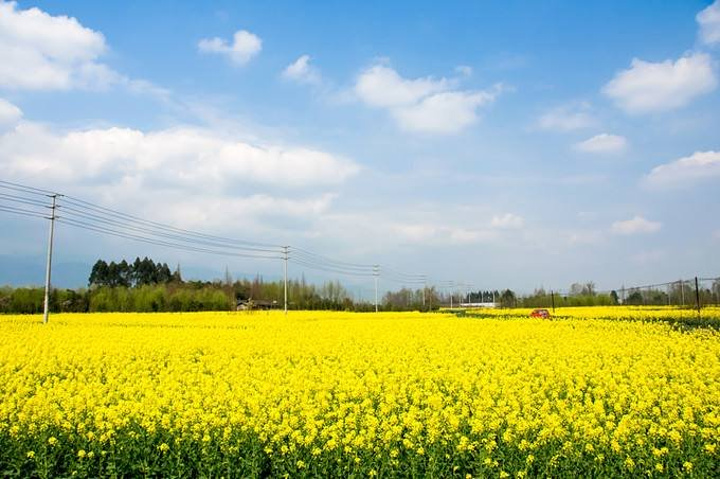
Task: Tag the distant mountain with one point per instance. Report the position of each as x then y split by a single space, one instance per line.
30 271
20 271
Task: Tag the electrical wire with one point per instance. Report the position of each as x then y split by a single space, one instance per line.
123 216
24 188
21 211
314 257
142 239
74 212
82 214
329 269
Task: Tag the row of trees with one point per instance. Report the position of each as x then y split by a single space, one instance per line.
145 285
585 294
139 273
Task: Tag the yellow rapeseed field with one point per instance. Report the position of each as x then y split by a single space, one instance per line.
636 313
344 394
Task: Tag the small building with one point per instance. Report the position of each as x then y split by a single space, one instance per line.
479 305
254 304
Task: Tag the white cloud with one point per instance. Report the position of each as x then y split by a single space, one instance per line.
652 87
507 221
10 115
188 159
301 71
446 112
381 86
603 143
425 105
635 225
701 165
567 118
709 20
244 47
44 52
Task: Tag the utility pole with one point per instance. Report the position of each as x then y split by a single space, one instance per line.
697 295
285 259
46 308
376 273
424 288
552 296
682 292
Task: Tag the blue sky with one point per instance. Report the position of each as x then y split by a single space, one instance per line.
507 144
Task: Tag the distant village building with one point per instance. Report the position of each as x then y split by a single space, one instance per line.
253 304
479 305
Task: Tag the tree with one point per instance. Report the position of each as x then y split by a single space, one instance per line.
99 274
507 299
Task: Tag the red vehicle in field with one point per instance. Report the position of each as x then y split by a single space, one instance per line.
540 313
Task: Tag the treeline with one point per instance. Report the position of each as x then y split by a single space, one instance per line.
677 294
147 298
139 273
146 286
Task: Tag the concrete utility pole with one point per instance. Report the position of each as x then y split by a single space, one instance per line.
376 273
285 259
424 288
46 308
682 291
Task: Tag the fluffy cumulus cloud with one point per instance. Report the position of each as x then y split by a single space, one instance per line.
709 20
698 167
446 112
44 52
181 158
425 105
603 143
302 72
244 47
635 225
648 87
381 86
570 117
10 115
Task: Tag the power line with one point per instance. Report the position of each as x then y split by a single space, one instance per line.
25 189
142 239
21 211
127 217
85 215
317 258
22 199
330 269
74 212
